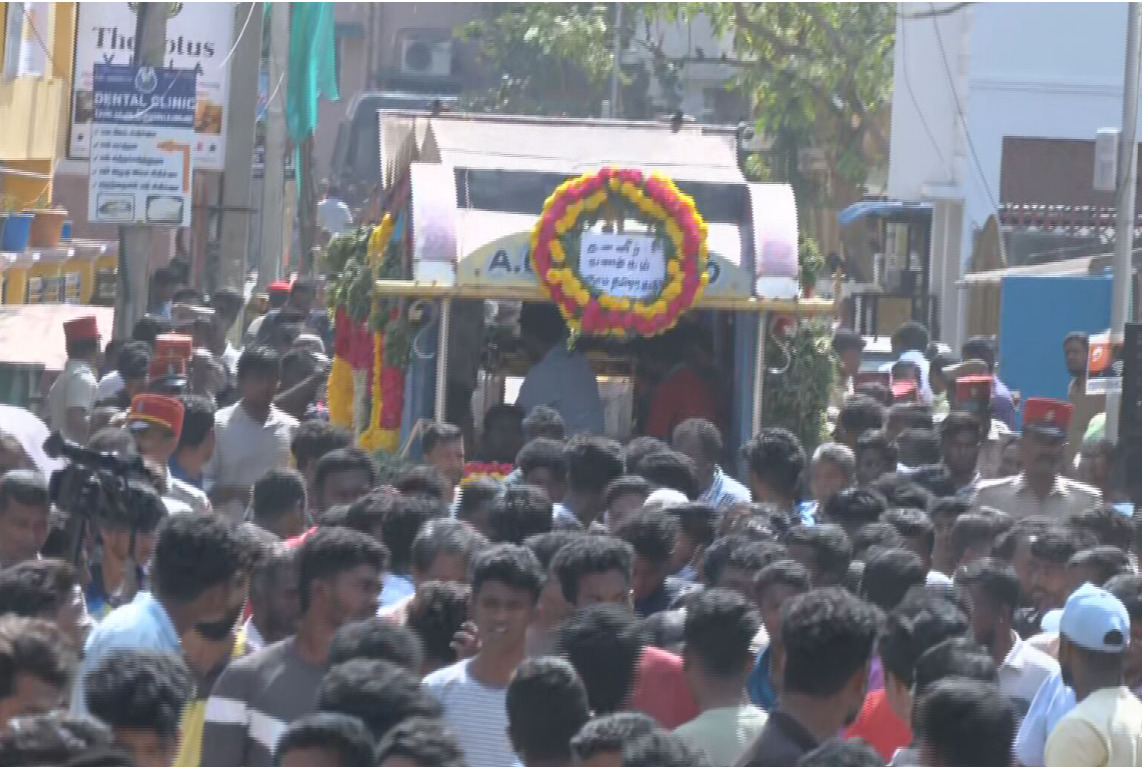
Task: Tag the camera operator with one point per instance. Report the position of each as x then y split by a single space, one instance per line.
128 537
24 509
155 421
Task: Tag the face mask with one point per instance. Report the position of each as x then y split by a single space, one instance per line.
218 630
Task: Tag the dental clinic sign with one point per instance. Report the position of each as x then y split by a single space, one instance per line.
199 37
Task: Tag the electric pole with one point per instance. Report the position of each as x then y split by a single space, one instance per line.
242 109
133 282
273 187
1124 202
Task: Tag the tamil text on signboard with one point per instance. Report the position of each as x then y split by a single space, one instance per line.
142 136
622 265
199 37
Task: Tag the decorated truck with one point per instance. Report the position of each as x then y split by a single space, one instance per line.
626 227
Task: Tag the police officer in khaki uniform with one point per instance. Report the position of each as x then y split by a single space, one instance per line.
1040 488
72 396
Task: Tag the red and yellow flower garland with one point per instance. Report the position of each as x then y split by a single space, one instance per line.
660 204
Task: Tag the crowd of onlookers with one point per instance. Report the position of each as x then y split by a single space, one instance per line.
907 594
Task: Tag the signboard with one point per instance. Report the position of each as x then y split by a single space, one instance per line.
622 265
199 37
1104 364
142 136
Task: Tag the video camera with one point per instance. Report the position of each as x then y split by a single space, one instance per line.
94 486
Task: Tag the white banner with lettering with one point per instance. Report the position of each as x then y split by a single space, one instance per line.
623 265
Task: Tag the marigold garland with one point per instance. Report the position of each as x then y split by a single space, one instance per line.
618 194
496 470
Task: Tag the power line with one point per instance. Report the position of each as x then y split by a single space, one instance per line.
949 10
960 112
246 23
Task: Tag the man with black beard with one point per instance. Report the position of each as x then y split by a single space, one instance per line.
1075 348
828 636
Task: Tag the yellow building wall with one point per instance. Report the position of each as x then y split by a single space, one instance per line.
34 112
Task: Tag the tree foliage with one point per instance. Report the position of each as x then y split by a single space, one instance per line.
816 75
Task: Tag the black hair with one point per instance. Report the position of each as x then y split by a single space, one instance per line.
133 360
877 440
697 521
775 457
832 550
918 447
437 433
847 340
603 643
875 391
609 732
35 647
949 506
1077 335
227 295
662 749
1105 562
145 515
194 552
651 533
671 469
592 462
343 460
402 520
544 421
921 621
425 742
760 524
314 439
334 516
1056 544
543 321
855 505
971 529
995 578
437 611
376 638
875 535
82 348
751 557
889 574
346 736
277 492
860 414
474 494
632 484
197 419
26 487
514 566
546 545
519 512
139 688
590 554
149 327
379 693
783 572
955 657
960 421
1109 526
902 493
259 361
966 721
841 752
910 336
36 588
444 536
912 523
828 635
547 705
979 348
330 551
427 481
639 448
56 738
302 286
1127 587
720 625
708 436
542 453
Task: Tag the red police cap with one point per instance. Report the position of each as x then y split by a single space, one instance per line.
166 367
281 286
158 410
904 391
974 389
81 329
173 345
1048 416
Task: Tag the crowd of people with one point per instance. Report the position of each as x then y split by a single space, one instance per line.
930 589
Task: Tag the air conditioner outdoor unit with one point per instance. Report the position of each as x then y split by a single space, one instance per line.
420 56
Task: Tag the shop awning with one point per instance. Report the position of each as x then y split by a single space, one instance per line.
889 209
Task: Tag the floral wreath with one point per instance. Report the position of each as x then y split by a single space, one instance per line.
617 194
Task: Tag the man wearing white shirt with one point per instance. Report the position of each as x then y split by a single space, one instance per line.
332 212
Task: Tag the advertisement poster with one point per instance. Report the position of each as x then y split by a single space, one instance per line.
199 37
1104 364
142 134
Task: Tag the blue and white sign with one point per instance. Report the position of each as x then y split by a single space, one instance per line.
142 145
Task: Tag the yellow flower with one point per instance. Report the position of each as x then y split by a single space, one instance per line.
624 304
705 279
557 253
614 183
672 268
